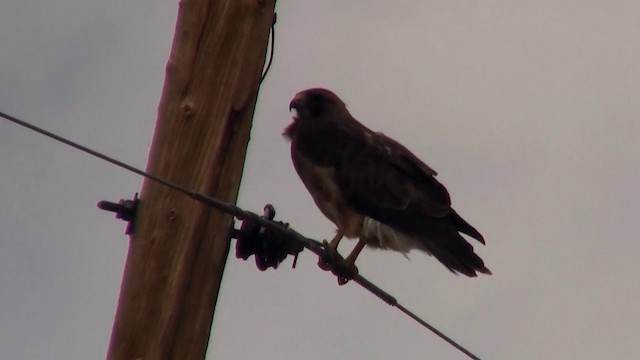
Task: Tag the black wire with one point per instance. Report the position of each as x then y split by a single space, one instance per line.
313 245
436 331
272 42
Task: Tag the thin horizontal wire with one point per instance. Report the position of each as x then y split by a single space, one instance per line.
436 331
313 245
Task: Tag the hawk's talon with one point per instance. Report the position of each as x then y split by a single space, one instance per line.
331 256
323 264
347 272
331 260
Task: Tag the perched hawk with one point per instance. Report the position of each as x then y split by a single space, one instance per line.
373 188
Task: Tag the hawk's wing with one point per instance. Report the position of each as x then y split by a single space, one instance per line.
381 179
385 181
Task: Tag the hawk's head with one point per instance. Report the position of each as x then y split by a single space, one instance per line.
314 105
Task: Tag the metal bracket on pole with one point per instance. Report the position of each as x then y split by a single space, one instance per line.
124 209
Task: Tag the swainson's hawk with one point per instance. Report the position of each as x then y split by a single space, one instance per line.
373 188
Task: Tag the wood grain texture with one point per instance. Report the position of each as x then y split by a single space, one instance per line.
177 255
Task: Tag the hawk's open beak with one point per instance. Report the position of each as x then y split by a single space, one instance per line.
295 104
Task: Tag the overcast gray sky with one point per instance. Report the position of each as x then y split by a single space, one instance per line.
529 111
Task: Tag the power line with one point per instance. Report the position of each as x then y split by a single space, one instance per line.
283 230
272 48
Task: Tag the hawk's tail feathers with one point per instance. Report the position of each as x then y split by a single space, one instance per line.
455 253
465 228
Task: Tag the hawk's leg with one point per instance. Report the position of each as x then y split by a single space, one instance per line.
332 249
344 269
350 269
351 259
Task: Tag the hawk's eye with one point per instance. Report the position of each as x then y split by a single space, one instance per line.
316 104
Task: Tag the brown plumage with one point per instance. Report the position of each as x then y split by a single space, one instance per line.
373 188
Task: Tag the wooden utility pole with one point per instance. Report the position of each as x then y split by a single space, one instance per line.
178 251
